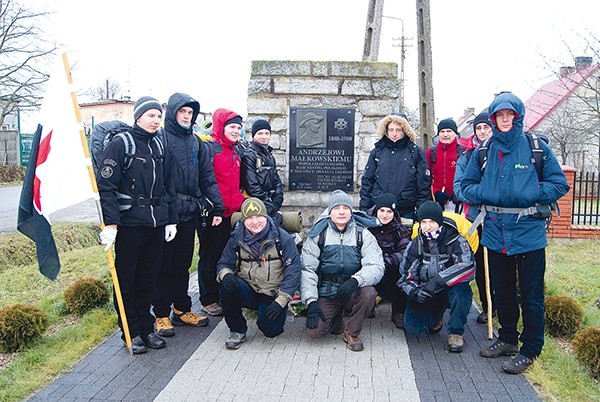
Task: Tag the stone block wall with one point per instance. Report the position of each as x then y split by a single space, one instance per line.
9 148
371 88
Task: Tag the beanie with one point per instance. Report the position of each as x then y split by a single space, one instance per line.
447 123
260 125
481 118
144 104
233 120
386 200
253 206
338 197
430 210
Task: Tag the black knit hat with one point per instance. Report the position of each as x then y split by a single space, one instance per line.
386 200
233 120
430 210
260 125
482 117
144 104
447 123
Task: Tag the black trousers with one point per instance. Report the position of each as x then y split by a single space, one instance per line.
174 277
213 240
388 290
139 253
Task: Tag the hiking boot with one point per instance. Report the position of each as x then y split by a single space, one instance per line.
154 341
378 299
190 318
138 346
499 348
354 342
455 343
436 328
398 319
163 327
517 364
235 340
213 309
372 313
482 318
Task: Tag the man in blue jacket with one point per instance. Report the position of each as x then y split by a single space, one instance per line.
515 202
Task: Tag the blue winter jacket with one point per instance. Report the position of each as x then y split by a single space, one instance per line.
510 180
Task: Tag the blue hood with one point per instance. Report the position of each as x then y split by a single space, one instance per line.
507 100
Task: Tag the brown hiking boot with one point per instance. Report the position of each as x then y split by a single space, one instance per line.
188 318
163 327
398 319
354 342
455 343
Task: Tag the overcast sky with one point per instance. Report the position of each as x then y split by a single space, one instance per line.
205 47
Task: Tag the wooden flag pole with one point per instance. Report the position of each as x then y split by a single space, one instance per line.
109 254
488 292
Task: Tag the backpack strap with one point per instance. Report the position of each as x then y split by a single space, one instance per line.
537 153
130 148
483 155
359 237
432 154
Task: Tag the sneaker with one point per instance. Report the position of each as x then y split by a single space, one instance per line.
154 341
499 348
354 342
163 327
455 343
517 364
188 318
213 309
235 340
482 318
398 319
138 346
436 328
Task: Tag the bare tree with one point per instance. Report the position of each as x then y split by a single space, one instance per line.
24 54
109 90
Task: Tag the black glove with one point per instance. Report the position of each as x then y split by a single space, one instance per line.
346 290
273 311
423 296
431 286
313 315
441 198
230 283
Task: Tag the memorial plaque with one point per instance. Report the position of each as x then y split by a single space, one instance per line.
321 149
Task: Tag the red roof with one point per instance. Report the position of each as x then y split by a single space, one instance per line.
549 96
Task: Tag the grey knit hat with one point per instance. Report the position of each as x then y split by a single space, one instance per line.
338 197
144 104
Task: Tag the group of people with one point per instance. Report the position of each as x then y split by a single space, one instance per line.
351 258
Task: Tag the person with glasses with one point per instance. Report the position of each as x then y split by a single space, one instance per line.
483 130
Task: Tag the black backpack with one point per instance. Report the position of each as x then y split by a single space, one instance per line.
459 148
537 153
104 132
359 237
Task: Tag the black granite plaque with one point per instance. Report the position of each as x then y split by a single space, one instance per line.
321 149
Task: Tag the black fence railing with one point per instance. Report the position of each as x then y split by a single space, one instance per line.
586 201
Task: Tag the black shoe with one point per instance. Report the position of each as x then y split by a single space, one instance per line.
138 346
436 328
482 318
499 348
154 341
517 364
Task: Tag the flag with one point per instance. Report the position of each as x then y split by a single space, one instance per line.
57 175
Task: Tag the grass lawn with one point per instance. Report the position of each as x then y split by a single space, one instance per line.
558 376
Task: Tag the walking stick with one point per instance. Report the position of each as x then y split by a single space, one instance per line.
109 254
488 292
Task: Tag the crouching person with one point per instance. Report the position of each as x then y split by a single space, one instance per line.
436 271
259 269
341 263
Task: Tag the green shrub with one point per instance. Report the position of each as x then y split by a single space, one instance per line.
564 315
12 174
586 346
21 324
86 294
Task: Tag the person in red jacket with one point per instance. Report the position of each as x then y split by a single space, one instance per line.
441 159
226 129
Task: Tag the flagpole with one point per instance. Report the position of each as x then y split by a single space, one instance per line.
109 254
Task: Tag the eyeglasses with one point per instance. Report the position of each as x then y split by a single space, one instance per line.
482 127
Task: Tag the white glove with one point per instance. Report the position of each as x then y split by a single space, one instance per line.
108 236
170 232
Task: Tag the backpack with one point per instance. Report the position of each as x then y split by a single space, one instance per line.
537 153
359 237
277 247
459 148
103 133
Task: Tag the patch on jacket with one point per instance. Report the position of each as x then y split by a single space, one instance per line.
106 172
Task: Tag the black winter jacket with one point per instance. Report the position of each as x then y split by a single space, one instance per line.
259 177
193 175
146 182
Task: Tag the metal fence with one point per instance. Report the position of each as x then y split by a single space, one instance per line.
586 203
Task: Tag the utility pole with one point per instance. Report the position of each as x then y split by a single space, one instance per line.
403 47
426 107
373 30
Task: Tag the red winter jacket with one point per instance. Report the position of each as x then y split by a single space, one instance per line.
442 172
226 163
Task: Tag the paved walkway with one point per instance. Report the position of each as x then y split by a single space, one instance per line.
196 366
